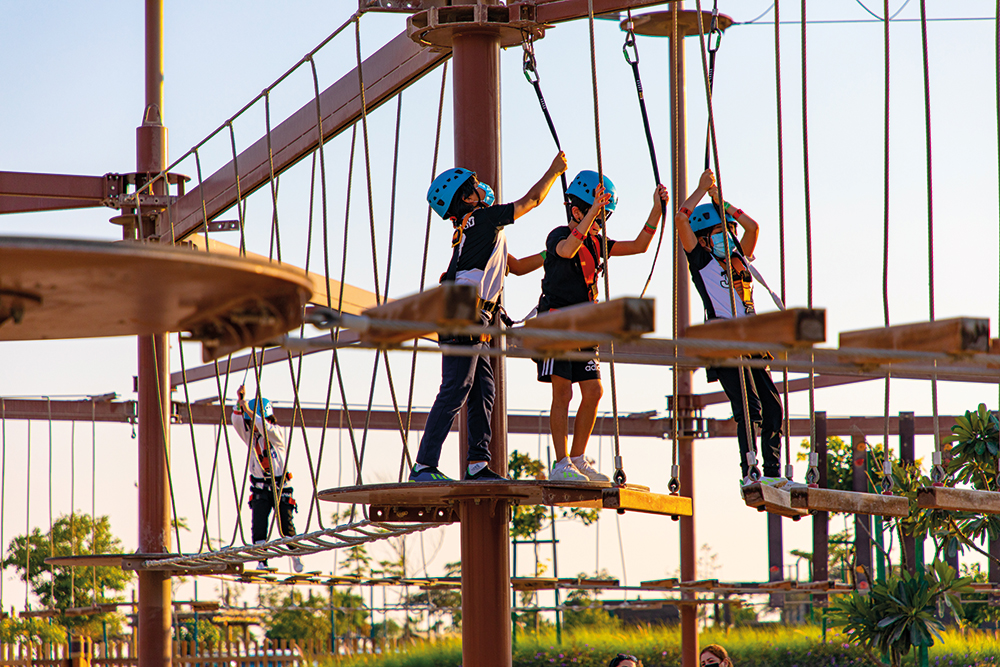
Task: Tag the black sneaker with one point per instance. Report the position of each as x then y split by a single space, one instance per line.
429 474
484 475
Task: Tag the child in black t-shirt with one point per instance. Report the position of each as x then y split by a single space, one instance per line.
479 258
574 260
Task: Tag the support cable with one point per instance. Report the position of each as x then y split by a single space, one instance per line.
676 72
786 420
886 482
631 52
937 469
619 475
996 88
751 455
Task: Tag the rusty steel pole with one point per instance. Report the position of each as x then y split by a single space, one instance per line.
685 445
486 620
154 608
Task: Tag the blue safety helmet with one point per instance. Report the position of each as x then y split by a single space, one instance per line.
706 217
268 411
444 187
583 187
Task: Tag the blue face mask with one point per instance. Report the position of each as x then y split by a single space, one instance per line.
719 245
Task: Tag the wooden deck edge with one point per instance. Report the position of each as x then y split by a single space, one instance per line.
770 499
958 500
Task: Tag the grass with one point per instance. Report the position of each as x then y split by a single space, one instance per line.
767 646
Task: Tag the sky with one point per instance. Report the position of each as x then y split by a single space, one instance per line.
72 95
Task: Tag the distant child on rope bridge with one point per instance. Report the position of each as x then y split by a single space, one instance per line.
255 423
479 258
702 234
574 261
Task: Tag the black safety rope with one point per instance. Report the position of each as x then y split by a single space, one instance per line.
631 53
530 68
713 49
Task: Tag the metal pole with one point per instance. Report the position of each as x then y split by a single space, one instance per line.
154 607
821 520
862 522
486 620
685 445
907 456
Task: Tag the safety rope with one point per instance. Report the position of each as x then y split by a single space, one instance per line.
619 474
423 261
163 421
996 87
713 50
813 475
786 420
27 516
72 510
886 482
530 68
937 469
275 245
241 205
52 543
93 491
676 74
631 52
205 508
3 474
751 455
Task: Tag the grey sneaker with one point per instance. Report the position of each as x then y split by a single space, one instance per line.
586 467
565 471
430 474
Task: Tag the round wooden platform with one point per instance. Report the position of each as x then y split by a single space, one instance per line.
389 502
660 24
58 288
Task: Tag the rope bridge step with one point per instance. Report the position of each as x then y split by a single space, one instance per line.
448 304
625 318
958 335
849 502
770 499
795 327
958 500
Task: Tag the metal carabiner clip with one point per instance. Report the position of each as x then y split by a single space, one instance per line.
633 57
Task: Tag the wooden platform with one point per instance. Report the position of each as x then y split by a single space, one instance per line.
958 500
958 335
57 288
394 497
446 305
769 499
796 327
624 318
850 502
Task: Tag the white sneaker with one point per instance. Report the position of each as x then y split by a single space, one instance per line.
297 564
586 466
565 471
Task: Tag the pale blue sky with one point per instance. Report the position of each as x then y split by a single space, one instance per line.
72 96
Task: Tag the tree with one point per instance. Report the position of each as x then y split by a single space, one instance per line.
30 631
65 587
900 613
531 519
297 617
204 633
444 601
587 611
840 463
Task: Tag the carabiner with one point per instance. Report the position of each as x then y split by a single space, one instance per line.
633 58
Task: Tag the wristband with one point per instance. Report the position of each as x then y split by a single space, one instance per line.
725 206
737 213
542 253
651 230
686 211
576 233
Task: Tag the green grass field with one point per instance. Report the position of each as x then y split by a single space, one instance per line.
660 647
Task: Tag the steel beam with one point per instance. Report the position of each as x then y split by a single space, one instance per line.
22 192
386 72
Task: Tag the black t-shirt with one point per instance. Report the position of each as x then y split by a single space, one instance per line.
480 235
567 281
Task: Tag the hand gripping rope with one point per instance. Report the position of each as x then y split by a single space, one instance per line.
631 53
529 66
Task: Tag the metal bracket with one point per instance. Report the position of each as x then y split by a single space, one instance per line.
395 514
436 26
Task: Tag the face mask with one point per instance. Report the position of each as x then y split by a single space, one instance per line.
489 198
719 245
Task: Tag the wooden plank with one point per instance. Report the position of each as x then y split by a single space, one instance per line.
850 502
958 335
626 318
770 499
958 500
94 560
666 584
434 494
797 327
355 299
784 585
447 304
631 500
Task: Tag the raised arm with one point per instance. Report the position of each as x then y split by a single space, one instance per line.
641 242
751 230
536 195
520 267
683 218
570 245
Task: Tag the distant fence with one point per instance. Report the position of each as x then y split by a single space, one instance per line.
267 653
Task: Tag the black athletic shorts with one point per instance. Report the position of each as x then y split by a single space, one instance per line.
574 371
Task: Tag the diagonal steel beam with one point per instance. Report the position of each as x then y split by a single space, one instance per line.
386 72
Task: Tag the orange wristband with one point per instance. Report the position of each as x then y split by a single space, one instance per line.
686 211
577 234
